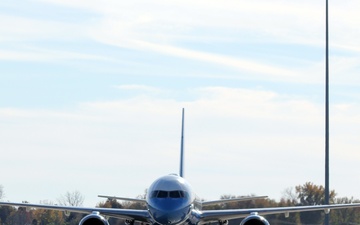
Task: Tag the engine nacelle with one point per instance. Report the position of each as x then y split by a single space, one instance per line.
94 219
254 220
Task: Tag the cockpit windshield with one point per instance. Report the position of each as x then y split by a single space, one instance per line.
167 194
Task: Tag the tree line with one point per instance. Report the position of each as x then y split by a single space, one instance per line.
301 195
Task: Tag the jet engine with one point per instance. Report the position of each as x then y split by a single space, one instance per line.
94 219
254 219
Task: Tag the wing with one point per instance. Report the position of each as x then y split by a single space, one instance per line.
222 201
123 198
128 214
220 215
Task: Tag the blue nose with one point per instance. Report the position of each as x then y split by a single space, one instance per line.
169 211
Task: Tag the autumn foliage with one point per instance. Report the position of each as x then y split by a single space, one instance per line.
306 194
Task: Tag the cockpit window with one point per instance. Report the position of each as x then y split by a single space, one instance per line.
174 194
154 194
177 194
167 194
162 194
182 194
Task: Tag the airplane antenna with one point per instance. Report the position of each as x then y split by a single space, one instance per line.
182 146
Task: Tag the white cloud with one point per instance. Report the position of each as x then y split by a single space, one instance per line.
279 21
235 128
138 87
45 55
167 22
24 28
163 27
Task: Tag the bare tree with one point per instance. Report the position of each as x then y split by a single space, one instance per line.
289 195
1 192
74 198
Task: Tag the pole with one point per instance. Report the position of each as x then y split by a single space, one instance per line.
326 111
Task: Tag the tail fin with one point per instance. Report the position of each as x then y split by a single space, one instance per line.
182 146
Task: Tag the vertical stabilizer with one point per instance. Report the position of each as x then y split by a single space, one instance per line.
182 146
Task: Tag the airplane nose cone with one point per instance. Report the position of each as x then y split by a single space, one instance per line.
174 217
166 212
165 220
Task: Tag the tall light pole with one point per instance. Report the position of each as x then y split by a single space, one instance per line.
327 111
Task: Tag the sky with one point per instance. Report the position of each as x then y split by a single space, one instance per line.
91 94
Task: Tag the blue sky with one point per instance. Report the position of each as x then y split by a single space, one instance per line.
91 95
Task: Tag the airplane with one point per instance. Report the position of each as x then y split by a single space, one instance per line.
170 200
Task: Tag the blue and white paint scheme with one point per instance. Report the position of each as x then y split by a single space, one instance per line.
171 201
